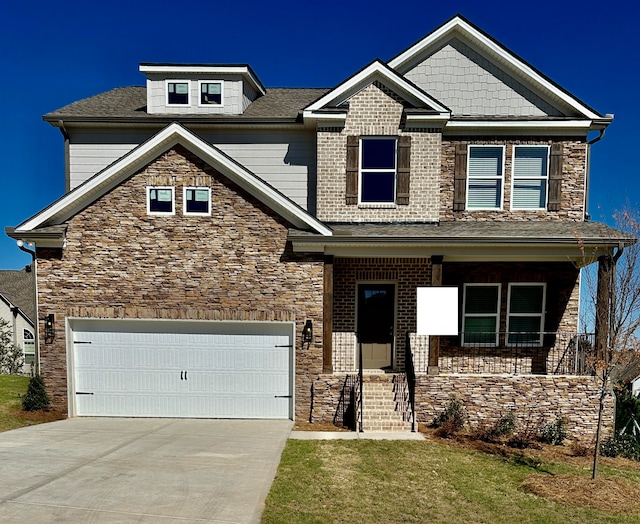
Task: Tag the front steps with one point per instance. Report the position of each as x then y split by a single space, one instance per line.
385 403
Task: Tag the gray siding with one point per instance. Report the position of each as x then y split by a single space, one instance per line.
469 84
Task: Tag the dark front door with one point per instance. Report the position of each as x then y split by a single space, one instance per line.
376 312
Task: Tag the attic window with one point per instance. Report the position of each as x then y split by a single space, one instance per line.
178 92
160 200
197 201
210 93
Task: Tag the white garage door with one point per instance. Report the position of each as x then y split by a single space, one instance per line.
182 369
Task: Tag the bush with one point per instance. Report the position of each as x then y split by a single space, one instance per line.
505 427
36 398
555 432
627 446
452 419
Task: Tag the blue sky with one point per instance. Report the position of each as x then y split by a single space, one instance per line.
55 53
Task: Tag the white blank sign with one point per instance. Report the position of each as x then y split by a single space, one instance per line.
437 311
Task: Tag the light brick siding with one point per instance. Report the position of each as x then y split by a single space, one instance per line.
377 111
119 262
572 188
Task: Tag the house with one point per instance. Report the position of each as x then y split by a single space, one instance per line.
230 250
18 310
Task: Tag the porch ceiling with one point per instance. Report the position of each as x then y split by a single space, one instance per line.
582 242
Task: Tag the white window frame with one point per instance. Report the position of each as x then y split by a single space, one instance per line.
512 315
497 313
29 341
200 82
184 201
178 81
545 178
391 203
173 201
500 177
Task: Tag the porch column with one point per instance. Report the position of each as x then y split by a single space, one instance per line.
603 304
327 323
434 341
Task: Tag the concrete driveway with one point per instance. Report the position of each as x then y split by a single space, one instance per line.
139 470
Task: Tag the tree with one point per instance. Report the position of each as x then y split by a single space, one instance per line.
11 356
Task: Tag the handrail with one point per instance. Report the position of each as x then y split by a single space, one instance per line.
360 380
411 380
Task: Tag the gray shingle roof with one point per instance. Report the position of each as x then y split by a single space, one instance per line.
17 287
131 103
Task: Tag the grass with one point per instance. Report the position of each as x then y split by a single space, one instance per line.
12 389
326 481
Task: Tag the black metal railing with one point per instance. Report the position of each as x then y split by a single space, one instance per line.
410 372
555 353
346 412
358 395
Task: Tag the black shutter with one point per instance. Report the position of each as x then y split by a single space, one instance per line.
404 169
352 169
555 177
460 178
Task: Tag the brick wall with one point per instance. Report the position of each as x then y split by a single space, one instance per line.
119 262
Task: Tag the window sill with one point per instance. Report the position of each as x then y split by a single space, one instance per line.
385 205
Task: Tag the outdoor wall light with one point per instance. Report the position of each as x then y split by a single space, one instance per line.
49 328
307 331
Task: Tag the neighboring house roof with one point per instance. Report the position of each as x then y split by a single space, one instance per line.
131 103
16 286
85 194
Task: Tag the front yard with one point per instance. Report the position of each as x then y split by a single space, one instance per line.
442 481
12 389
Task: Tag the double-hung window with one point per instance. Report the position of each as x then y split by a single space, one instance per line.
525 314
530 177
197 201
210 93
485 177
29 347
378 170
160 200
481 314
178 92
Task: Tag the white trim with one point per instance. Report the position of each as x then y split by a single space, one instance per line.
395 171
184 201
177 81
500 179
173 201
541 314
544 178
220 82
473 315
583 125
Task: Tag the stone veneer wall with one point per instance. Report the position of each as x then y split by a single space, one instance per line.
120 262
376 111
573 180
535 399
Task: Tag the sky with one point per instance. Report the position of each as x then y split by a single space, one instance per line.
55 53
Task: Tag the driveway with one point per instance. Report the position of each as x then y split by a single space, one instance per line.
139 470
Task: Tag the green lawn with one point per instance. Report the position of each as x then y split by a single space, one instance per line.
430 481
12 389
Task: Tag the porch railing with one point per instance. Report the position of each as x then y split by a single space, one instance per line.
547 353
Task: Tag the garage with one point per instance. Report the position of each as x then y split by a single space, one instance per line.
173 368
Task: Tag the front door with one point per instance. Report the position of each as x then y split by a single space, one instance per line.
376 303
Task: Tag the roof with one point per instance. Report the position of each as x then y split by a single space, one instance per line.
131 103
17 287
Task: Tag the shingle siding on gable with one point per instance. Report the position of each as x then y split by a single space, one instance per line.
374 111
469 84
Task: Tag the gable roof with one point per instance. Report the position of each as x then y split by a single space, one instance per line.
82 196
459 27
17 289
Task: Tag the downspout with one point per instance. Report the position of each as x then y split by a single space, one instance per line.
36 322
67 167
587 181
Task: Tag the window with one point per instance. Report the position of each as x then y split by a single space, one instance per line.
481 314
178 92
210 93
160 200
530 177
525 313
29 347
197 201
485 175
378 170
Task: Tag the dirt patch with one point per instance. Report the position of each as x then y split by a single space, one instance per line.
39 417
606 494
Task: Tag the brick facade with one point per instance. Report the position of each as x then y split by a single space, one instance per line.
120 262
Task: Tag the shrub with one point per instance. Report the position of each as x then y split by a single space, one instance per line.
627 446
554 432
36 397
452 419
579 449
505 427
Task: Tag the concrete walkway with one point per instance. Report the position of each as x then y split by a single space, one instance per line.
353 435
103 470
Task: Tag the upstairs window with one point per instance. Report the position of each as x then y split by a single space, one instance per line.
485 177
197 201
525 313
530 177
160 200
481 314
378 170
178 92
210 93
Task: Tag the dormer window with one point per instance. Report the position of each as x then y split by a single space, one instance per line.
178 93
211 93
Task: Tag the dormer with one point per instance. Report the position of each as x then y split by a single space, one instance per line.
200 89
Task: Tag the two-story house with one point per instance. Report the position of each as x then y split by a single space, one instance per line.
230 250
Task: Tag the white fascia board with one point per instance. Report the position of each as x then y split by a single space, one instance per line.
364 78
171 135
436 120
460 25
551 126
339 118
